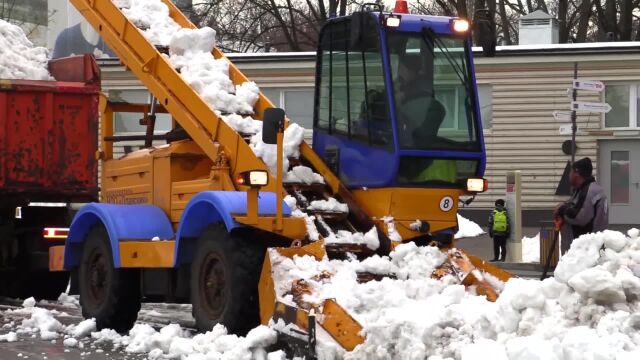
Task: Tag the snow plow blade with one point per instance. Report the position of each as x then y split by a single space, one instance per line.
335 320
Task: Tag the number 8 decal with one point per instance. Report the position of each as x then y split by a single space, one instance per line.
446 203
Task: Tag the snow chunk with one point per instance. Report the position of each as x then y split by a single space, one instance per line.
490 349
193 41
531 249
242 124
467 228
416 225
370 238
42 321
153 17
82 329
583 254
303 174
29 303
9 337
394 235
70 342
598 284
20 58
293 137
330 205
68 300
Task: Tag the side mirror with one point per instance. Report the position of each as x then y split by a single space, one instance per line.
485 30
272 123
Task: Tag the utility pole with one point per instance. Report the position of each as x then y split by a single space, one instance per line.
574 116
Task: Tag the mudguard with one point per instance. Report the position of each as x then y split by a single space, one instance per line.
209 207
121 222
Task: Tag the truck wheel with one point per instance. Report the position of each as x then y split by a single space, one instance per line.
110 295
224 281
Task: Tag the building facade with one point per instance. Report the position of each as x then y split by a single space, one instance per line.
519 90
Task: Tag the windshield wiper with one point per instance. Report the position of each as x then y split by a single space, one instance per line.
460 72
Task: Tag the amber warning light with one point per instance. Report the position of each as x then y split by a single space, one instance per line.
55 233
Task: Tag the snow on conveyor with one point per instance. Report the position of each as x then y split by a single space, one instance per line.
19 59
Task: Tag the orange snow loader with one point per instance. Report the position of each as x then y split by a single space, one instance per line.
191 220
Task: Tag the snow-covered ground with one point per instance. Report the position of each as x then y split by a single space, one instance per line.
467 228
589 310
531 249
19 58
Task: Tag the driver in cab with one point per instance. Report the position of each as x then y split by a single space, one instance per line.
420 116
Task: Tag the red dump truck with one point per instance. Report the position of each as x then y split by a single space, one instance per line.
48 144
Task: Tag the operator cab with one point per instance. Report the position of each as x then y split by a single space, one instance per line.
396 102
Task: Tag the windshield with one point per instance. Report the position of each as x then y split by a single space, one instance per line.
433 96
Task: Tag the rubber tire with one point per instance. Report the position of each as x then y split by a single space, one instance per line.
119 308
242 262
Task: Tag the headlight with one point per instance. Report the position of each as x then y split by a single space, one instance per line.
477 185
392 21
254 178
460 25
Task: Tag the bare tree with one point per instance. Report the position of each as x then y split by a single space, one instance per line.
264 25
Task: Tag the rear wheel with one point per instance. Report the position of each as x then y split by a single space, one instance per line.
110 295
224 281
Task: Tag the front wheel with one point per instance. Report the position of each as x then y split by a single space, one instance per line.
224 281
110 295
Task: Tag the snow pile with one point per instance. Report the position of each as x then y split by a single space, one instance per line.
467 228
302 174
330 205
19 59
173 342
41 322
589 311
531 249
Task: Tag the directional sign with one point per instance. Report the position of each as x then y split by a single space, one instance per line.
566 129
590 106
562 115
593 85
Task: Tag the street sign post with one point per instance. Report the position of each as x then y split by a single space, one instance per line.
567 129
591 85
590 106
562 115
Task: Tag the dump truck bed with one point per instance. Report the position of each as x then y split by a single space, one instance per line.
48 133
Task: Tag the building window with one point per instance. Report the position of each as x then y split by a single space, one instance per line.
620 167
129 123
298 103
485 100
624 101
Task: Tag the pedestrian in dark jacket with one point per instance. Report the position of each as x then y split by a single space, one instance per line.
499 230
587 210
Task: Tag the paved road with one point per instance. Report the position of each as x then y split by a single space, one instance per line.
26 347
